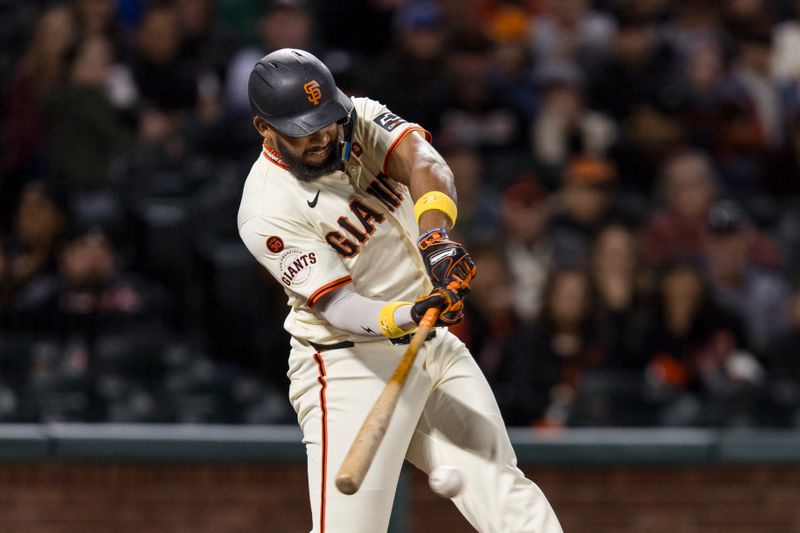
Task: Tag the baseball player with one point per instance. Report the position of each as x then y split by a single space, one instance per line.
348 207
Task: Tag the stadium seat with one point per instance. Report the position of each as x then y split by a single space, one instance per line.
612 398
9 404
258 402
15 358
133 356
788 232
198 393
233 298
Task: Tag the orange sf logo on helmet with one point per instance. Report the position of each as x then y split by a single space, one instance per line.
312 91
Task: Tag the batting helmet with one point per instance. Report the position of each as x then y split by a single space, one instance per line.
295 93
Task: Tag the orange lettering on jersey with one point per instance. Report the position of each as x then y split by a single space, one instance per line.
365 215
341 244
313 93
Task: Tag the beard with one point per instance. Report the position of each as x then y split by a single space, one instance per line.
309 173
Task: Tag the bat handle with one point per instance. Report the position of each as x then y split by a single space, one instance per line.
429 319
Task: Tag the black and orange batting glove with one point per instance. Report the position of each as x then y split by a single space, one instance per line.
448 263
452 311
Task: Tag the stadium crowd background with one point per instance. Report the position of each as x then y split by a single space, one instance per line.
628 176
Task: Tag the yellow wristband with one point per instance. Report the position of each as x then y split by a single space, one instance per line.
389 327
439 201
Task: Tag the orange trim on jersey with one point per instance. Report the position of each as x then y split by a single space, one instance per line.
328 287
324 407
272 156
396 143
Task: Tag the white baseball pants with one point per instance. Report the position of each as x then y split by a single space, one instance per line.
447 415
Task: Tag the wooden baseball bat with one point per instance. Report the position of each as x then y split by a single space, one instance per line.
361 453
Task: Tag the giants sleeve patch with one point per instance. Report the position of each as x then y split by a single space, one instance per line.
388 121
296 267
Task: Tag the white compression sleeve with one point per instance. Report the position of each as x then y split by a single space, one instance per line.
347 310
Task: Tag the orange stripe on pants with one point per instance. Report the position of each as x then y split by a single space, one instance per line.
324 407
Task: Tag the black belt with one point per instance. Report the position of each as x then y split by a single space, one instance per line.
405 339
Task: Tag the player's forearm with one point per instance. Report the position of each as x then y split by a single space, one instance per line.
347 310
419 166
431 173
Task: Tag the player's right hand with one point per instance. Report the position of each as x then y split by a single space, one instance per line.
450 303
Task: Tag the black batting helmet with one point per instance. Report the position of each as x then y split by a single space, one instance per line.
295 93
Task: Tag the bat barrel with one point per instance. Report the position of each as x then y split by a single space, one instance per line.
361 453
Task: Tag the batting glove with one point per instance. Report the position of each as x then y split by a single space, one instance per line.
448 263
451 305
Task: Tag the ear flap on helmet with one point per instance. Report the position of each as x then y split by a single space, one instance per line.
349 126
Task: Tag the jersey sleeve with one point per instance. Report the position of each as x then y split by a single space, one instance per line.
380 132
305 265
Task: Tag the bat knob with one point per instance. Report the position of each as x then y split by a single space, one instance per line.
346 485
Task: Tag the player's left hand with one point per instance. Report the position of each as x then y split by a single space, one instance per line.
450 304
448 263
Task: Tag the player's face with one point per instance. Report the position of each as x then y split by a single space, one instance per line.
311 156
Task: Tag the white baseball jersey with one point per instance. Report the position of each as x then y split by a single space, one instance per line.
353 226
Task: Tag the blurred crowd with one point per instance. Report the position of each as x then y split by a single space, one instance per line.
628 175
